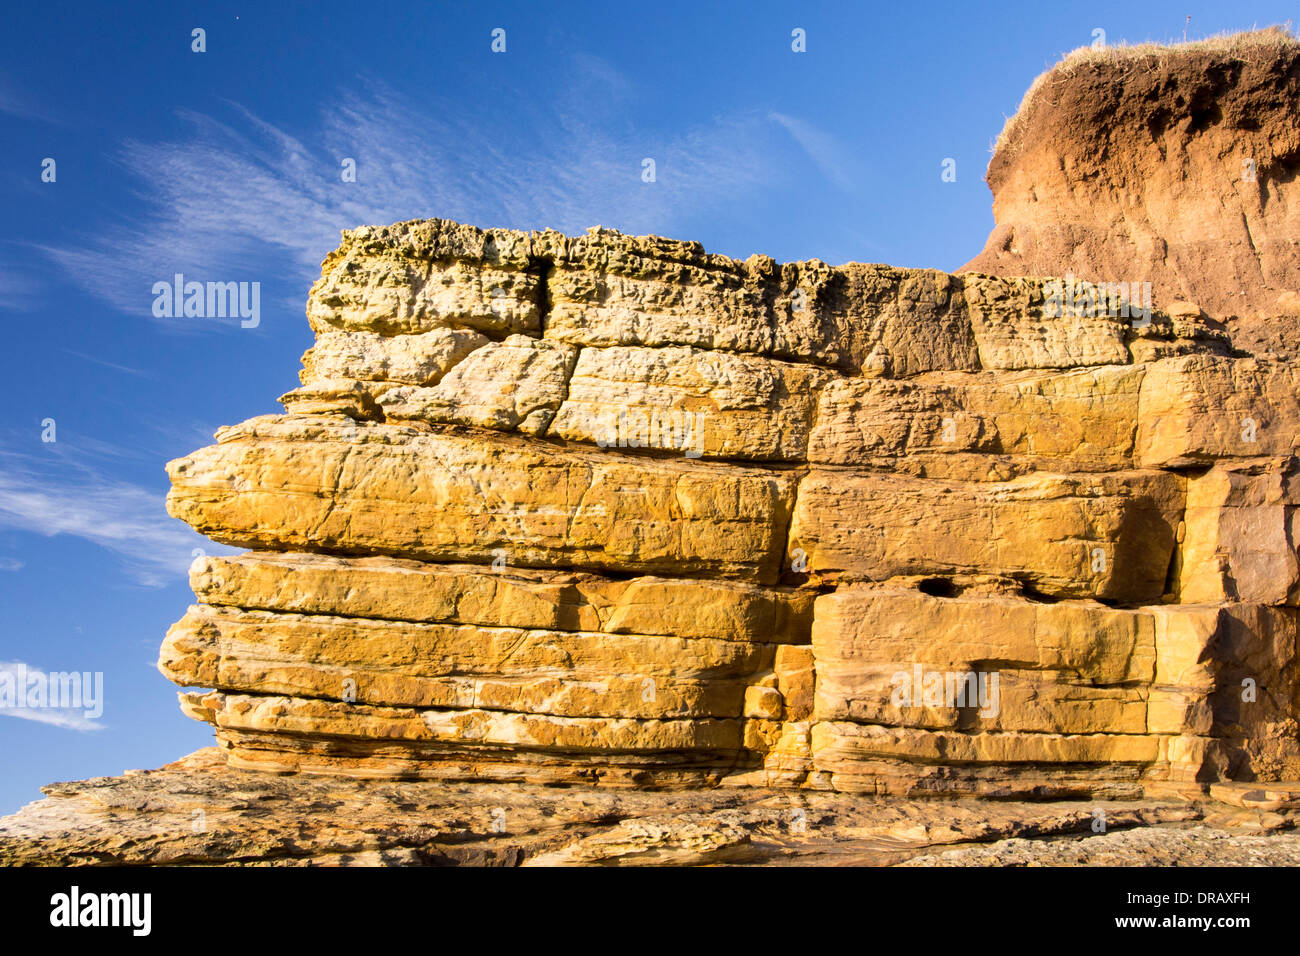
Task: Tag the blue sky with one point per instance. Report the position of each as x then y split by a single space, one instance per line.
225 165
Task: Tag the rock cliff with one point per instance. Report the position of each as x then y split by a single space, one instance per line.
611 509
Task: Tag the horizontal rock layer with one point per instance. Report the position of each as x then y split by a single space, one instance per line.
1108 536
311 483
564 673
404 590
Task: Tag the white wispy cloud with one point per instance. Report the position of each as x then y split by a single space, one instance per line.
217 200
77 499
15 103
11 564
111 365
19 292
19 676
824 150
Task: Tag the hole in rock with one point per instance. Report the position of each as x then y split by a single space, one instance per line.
939 587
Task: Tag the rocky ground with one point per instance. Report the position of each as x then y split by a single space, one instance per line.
1141 846
198 811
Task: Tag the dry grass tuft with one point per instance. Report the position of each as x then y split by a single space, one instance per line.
1272 39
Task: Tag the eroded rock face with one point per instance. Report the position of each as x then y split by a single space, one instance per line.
1173 166
611 510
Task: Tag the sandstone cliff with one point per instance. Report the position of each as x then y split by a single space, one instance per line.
611 509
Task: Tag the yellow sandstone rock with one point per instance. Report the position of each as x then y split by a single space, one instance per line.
513 385
403 590
1015 328
698 403
1108 536
437 665
421 359
1241 532
1199 408
1081 420
307 483
610 509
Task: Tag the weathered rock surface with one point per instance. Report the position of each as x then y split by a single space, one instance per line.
1109 536
703 404
355 488
1007 319
1198 409
611 509
1241 534
1081 420
421 359
403 590
513 385
1148 846
570 673
1073 686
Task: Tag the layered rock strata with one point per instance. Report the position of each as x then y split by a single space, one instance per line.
613 510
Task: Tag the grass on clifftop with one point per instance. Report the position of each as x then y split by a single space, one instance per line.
1275 38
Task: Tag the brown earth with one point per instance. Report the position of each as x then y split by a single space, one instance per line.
1173 165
